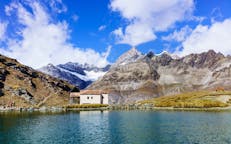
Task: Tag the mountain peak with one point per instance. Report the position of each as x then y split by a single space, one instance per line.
163 53
133 49
50 65
211 52
167 54
204 59
132 55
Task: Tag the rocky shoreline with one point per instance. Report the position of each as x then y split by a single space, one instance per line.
30 109
151 107
111 107
48 109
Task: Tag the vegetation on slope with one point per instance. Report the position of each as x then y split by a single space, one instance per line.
201 99
86 106
22 86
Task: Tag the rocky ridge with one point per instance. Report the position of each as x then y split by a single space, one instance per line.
22 86
147 76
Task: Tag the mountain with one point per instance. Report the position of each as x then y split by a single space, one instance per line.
130 56
27 87
137 77
74 73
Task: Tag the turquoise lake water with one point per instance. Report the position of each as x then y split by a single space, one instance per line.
116 127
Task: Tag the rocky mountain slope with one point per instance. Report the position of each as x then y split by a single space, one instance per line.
139 77
25 87
74 73
131 56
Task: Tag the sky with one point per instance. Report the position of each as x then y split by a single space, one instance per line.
97 32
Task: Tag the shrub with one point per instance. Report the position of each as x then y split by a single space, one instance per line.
191 104
189 100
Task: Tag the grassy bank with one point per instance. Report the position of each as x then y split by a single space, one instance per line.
86 106
201 99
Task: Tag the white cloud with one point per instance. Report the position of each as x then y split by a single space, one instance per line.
134 34
57 6
10 8
149 16
204 37
102 27
75 17
178 36
44 41
3 27
216 15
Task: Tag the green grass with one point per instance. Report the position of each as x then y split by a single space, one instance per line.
86 105
189 100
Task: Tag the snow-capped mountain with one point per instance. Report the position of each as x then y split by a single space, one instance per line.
172 55
77 74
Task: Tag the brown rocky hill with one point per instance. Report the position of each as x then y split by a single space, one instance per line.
137 77
25 86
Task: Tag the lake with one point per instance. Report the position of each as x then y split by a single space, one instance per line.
112 127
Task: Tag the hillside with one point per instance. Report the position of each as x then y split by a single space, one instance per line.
137 76
25 86
199 99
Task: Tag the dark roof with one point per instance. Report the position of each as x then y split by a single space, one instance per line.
75 89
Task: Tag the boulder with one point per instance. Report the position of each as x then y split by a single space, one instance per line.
24 94
1 85
3 74
1 93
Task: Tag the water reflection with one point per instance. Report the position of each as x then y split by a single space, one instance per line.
93 127
100 127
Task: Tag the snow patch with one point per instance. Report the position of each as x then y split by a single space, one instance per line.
82 77
93 76
90 75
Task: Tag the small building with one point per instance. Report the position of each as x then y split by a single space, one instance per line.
74 96
89 97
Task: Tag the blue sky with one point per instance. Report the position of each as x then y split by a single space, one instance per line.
98 32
